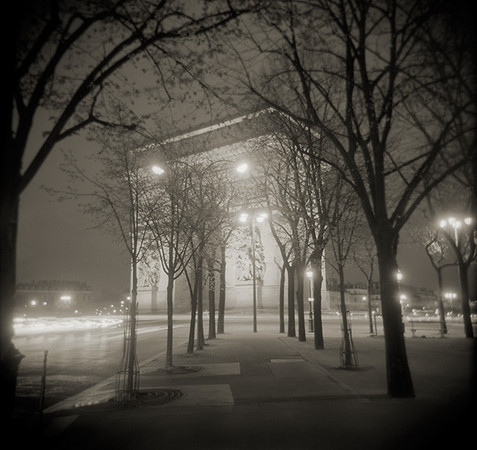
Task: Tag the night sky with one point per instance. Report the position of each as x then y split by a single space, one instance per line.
57 242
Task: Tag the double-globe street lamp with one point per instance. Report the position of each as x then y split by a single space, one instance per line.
253 217
451 296
455 225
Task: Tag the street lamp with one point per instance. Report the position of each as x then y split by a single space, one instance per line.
399 277
450 296
456 224
242 167
158 170
254 217
402 300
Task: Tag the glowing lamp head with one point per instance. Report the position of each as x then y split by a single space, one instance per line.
158 170
242 167
261 217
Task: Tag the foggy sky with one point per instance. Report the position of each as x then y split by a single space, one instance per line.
56 242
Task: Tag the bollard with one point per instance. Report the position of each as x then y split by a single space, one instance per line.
43 387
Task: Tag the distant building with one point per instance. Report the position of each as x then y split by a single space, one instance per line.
52 297
356 295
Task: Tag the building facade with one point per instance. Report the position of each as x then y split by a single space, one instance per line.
52 297
230 141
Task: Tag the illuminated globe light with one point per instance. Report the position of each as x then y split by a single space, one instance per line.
242 167
454 223
261 217
158 170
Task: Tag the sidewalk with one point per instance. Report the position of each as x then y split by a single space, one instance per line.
267 391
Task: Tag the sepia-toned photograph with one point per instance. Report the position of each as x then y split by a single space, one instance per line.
239 224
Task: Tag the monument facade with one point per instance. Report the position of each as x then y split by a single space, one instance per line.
231 141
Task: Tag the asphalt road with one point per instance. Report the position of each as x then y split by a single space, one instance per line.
78 358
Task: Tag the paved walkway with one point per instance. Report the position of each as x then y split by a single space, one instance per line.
268 391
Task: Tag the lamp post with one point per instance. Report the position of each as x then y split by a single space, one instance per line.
254 217
451 296
456 225
402 300
370 313
399 277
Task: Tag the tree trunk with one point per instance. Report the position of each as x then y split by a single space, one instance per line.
212 334
132 372
10 164
223 268
399 381
300 280
348 362
317 301
193 314
170 318
200 307
370 309
282 299
464 296
291 301
10 356
440 302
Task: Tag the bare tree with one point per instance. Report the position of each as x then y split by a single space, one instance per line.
118 197
436 250
225 233
364 256
61 62
363 62
169 226
459 233
207 213
281 187
451 54
342 240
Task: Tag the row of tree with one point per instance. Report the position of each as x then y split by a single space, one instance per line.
184 217
390 88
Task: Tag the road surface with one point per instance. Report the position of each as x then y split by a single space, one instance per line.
80 354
